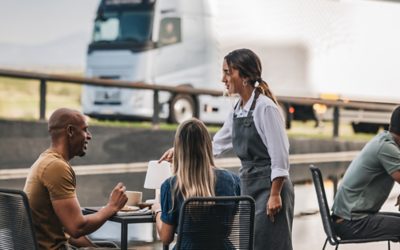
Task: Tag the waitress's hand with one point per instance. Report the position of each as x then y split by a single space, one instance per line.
274 205
167 156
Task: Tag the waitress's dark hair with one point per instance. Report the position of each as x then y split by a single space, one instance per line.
249 66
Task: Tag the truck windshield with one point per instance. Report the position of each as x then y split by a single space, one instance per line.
128 26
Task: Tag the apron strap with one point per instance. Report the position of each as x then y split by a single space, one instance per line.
253 104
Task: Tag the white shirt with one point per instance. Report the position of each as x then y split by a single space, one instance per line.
270 126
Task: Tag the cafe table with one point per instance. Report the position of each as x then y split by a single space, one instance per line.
124 220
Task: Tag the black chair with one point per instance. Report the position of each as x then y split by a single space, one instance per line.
223 222
16 228
327 222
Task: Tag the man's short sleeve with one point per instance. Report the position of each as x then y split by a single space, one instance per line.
168 216
59 179
389 156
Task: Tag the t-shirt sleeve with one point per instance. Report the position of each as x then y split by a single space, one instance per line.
59 180
389 156
167 216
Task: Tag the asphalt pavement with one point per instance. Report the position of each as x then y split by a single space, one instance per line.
308 233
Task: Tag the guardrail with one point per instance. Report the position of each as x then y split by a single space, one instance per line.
44 78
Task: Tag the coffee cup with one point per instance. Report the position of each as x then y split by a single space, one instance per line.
134 198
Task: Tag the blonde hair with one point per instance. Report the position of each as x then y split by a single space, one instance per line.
193 161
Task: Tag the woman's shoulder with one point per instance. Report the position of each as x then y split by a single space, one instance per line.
264 101
226 175
168 182
266 106
228 183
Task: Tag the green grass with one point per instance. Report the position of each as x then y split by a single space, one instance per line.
19 99
325 131
145 125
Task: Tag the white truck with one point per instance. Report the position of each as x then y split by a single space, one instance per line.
347 50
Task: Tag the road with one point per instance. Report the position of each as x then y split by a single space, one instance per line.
308 231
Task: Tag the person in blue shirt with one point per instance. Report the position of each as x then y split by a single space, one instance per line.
195 175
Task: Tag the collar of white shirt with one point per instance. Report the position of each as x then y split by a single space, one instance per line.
239 111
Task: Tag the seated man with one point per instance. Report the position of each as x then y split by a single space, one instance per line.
367 184
51 185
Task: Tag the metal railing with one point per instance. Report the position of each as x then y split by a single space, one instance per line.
156 88
44 78
137 167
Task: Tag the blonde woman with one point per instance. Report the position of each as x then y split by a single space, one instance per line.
194 176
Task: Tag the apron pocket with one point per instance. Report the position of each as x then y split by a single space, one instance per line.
255 172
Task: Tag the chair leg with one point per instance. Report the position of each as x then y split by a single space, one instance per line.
326 241
337 247
388 244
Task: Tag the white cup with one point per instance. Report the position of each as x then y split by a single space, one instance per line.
134 198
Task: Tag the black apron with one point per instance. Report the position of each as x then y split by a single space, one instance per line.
255 177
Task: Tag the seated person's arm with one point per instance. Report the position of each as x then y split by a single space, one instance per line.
396 176
83 241
165 231
75 224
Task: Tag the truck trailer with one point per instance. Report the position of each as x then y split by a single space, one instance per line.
320 49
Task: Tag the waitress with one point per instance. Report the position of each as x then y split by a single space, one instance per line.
255 130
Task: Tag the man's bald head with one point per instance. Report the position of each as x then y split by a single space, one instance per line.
63 117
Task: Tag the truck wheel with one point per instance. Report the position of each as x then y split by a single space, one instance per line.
362 127
182 107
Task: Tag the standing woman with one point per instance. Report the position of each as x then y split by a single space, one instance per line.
255 130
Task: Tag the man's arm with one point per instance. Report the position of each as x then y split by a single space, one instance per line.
396 176
69 213
83 241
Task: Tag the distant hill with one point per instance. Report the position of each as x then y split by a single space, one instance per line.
67 53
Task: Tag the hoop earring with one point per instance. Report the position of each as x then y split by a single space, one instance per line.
244 83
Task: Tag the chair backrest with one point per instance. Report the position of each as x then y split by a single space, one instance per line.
16 228
222 222
323 205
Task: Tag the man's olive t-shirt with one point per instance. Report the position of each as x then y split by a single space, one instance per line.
367 182
50 178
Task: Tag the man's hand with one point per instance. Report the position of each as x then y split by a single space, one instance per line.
398 202
274 205
167 156
118 197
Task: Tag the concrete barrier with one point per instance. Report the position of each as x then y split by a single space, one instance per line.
22 142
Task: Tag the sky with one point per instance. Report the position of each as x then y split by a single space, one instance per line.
40 21
45 33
